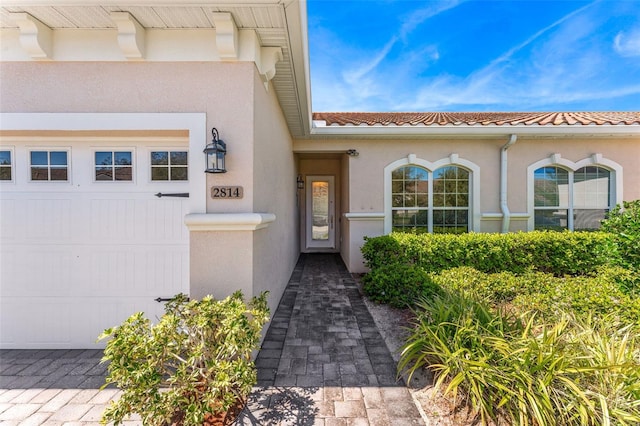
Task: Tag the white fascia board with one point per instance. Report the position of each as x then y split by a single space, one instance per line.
532 130
123 3
296 16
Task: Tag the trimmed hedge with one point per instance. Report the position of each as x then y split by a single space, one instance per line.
398 285
600 295
558 253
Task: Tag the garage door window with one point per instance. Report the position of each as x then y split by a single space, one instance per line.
6 172
169 165
49 165
114 165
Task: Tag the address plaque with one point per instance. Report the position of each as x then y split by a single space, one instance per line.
233 192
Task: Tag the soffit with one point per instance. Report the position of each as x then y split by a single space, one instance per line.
278 23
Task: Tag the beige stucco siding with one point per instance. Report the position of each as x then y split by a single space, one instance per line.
248 119
625 151
365 174
366 177
275 249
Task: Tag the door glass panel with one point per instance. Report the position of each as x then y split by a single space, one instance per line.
320 210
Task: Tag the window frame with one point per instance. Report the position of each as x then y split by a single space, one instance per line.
113 165
168 166
473 220
12 166
556 160
49 150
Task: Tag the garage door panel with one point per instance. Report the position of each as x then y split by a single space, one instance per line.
36 322
48 219
78 258
138 271
7 220
53 323
40 272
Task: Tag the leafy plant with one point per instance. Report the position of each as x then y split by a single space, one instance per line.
624 222
609 292
383 250
195 363
558 253
570 372
398 285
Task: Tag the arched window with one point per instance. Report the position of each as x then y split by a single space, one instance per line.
451 200
410 199
574 196
430 197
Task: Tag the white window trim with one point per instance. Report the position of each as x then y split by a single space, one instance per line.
134 165
50 149
12 151
452 160
615 189
194 123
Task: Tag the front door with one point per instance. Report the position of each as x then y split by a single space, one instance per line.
320 228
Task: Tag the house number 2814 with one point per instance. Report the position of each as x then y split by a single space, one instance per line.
226 192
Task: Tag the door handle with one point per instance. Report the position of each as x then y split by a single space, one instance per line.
166 299
178 194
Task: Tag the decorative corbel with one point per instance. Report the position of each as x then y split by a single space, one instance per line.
226 36
35 37
269 57
131 35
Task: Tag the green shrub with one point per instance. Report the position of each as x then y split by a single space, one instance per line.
601 294
398 285
624 223
558 253
571 373
383 250
194 363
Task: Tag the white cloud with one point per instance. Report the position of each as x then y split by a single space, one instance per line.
417 17
354 76
627 44
409 24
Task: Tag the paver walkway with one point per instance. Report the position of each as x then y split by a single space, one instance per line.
323 362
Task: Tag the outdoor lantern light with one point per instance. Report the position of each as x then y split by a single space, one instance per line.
300 182
214 154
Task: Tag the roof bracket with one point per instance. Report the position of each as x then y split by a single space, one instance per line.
35 37
131 35
269 57
226 36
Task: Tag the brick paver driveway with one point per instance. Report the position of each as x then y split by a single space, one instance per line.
323 362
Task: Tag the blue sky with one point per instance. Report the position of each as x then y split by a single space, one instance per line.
474 55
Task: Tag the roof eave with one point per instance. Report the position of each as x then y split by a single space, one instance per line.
476 130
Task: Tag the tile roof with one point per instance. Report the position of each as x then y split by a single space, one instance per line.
477 118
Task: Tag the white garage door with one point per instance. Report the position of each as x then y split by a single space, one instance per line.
84 241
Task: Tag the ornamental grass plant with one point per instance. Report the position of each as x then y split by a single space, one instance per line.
512 371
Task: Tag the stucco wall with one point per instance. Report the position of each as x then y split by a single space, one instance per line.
366 173
236 103
624 151
275 249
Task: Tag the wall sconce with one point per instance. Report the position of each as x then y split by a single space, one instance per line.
300 182
214 154
352 153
